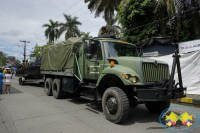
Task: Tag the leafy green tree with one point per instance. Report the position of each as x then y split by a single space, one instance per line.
187 23
164 8
38 49
107 7
70 26
115 29
51 32
134 13
184 26
2 59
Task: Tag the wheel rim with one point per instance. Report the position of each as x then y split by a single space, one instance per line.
55 88
111 105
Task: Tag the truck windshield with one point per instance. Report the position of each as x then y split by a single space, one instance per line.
115 49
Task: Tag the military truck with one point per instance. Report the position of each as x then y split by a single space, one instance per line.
110 71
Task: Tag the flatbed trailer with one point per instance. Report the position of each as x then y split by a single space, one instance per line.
30 74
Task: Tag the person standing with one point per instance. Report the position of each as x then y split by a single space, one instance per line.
1 81
8 77
4 71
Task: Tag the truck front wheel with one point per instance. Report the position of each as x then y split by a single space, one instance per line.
48 86
115 104
157 107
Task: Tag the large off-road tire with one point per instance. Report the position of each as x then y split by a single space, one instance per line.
48 86
56 89
115 104
157 107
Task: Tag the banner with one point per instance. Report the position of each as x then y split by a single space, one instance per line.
190 71
185 47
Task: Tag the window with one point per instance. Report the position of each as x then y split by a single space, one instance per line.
115 49
96 51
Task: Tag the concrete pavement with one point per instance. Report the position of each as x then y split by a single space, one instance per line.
28 110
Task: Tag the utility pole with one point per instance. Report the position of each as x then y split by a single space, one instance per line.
24 41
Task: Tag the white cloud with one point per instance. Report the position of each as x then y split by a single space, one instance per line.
23 20
13 32
96 20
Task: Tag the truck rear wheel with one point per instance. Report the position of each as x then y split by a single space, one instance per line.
56 90
157 107
48 86
115 104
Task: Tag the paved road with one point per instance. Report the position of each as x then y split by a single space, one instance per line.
28 110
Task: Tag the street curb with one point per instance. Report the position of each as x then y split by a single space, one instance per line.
189 100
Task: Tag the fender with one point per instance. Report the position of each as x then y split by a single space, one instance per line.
118 70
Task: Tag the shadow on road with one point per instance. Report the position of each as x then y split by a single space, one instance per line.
141 115
33 84
136 115
13 90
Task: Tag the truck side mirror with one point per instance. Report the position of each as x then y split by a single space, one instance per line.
89 56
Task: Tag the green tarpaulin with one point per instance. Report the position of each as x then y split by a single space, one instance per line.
60 56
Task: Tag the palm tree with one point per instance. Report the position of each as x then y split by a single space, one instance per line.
71 27
107 7
164 8
51 32
83 34
114 28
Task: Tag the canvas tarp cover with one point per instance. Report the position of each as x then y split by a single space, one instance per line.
60 56
190 69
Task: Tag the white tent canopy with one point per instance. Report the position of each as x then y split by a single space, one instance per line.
190 69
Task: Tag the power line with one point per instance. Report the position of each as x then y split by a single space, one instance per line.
79 10
83 14
67 9
76 12
93 26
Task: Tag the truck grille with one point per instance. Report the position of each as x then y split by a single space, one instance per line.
153 73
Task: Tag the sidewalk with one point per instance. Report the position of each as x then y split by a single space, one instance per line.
191 99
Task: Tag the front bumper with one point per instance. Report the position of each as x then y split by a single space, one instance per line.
159 94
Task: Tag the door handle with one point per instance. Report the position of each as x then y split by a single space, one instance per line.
88 69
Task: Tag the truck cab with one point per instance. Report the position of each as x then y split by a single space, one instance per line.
111 71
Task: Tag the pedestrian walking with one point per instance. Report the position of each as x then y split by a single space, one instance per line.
8 77
1 81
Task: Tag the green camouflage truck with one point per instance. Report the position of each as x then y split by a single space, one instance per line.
110 71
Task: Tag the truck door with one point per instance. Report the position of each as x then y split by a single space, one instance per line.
95 66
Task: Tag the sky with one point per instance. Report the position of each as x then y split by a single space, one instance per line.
23 20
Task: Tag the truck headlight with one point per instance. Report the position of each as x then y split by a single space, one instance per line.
134 79
126 76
